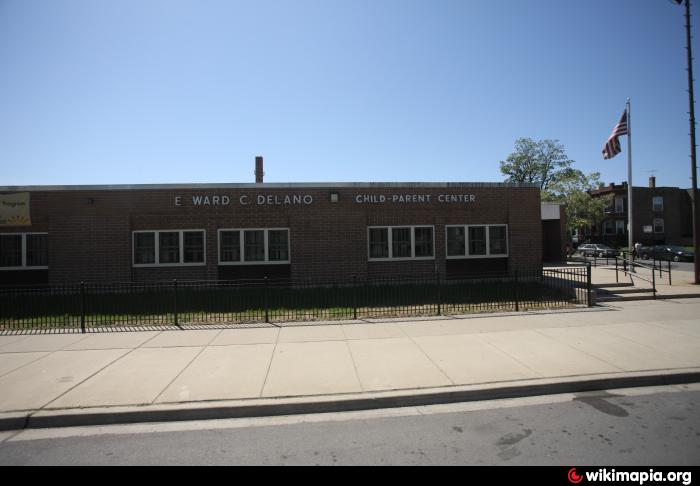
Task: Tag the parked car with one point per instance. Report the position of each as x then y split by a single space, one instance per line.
597 249
667 252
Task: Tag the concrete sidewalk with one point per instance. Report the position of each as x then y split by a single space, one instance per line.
102 378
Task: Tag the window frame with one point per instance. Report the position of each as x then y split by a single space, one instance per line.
467 255
241 242
663 226
181 248
390 242
24 265
654 206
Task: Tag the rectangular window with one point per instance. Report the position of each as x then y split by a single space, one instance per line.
253 246
37 250
498 243
11 250
619 204
401 242
278 245
620 226
456 242
229 246
378 243
477 241
193 246
24 251
424 242
658 225
171 247
658 203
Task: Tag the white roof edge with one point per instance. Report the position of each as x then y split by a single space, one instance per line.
266 185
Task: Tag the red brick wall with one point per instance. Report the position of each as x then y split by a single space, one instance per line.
90 231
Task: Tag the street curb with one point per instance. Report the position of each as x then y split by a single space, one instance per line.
331 404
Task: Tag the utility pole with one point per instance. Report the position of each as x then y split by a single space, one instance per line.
693 161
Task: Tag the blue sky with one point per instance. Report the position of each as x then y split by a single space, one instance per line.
156 91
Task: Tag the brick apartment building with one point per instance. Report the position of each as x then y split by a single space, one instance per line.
662 215
238 231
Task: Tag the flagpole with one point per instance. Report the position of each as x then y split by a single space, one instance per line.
630 232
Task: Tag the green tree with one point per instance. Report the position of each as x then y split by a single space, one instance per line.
573 189
546 164
543 162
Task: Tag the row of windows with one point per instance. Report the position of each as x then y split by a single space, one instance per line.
619 227
657 204
24 250
186 247
269 245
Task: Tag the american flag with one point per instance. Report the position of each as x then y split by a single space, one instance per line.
612 146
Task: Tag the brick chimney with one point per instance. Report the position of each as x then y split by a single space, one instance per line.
259 170
652 182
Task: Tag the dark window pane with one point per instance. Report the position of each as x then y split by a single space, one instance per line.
379 243
37 251
401 242
497 240
144 248
169 249
278 245
10 250
424 242
254 242
456 242
193 246
230 246
477 240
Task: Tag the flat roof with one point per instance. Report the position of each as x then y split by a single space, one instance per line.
272 185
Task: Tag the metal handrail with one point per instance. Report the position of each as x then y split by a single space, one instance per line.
632 264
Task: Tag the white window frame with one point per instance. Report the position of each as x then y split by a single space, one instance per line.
241 235
488 241
181 247
663 226
24 265
620 208
653 204
391 258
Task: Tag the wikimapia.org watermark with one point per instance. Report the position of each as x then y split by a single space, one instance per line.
637 477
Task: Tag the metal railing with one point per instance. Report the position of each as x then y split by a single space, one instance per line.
180 304
629 267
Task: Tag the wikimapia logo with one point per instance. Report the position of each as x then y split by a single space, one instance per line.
636 477
574 478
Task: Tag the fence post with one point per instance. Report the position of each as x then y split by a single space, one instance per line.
175 310
267 308
588 285
439 293
653 282
617 278
354 297
669 272
82 307
515 288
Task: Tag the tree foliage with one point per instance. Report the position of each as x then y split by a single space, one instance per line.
546 164
542 162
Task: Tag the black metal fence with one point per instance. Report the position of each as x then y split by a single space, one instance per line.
267 302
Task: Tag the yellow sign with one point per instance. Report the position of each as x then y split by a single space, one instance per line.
14 209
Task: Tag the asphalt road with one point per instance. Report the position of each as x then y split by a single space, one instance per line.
643 427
